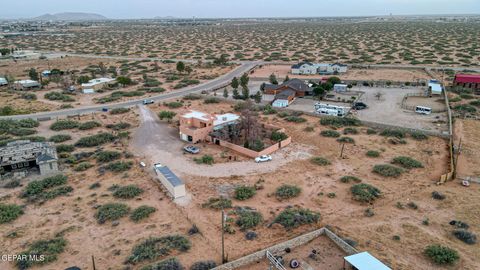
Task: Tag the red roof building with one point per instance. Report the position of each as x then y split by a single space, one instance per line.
467 81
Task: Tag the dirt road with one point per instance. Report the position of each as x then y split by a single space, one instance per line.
157 142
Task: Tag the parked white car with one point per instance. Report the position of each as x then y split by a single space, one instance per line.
148 101
263 158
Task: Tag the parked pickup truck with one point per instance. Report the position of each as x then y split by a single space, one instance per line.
191 149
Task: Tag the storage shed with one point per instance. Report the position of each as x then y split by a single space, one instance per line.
363 261
170 181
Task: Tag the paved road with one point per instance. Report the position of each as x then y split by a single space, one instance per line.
210 85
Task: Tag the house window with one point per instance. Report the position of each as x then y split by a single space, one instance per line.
51 166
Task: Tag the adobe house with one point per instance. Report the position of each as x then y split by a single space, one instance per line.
196 126
284 94
467 81
23 155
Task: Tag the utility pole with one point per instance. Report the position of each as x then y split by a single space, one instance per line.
341 152
223 236
93 263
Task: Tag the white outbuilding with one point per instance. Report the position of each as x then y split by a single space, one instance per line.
170 181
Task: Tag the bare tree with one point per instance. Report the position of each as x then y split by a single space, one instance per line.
249 124
378 95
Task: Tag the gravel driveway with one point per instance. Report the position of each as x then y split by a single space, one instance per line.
156 142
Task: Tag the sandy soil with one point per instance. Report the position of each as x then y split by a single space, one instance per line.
467 132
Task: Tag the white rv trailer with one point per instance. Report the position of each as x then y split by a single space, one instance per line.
332 110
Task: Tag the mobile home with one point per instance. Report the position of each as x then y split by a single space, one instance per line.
332 110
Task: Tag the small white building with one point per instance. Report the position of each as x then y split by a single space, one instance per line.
435 87
26 84
340 88
3 81
170 181
25 55
88 91
97 84
304 68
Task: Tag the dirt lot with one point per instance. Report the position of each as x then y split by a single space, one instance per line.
467 132
394 75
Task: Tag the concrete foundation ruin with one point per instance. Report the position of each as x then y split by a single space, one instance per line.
20 156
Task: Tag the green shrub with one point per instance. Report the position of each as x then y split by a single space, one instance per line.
346 140
65 148
339 122
58 96
9 212
218 203
287 191
320 161
387 170
330 133
127 192
22 132
393 133
371 131
111 211
49 248
278 136
365 192
119 126
35 188
51 194
419 136
248 219
83 166
475 103
205 159
89 125
441 254
142 212
295 119
407 162
107 156
244 192
211 100
373 153
174 104
465 108
167 264
119 110
60 138
192 97
154 248
95 140
350 130
64 124
295 217
203 265
465 236
349 178
166 115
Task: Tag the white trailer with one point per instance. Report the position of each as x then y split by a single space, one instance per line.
340 88
170 181
331 110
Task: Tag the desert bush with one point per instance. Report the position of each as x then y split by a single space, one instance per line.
465 236
89 125
64 124
211 100
441 254
205 159
53 193
393 133
60 138
142 212
371 131
127 192
12 184
459 224
465 108
192 97
9 212
330 133
107 156
295 119
167 264
218 203
154 248
83 166
349 178
174 104
412 205
166 115
203 265
365 192
346 140
438 196
339 122
119 126
58 96
320 161
22 132
369 212
407 162
287 191
248 219
387 170
111 211
350 130
95 140
295 217
65 148
37 187
244 192
119 110
119 166
373 153
268 110
278 136
419 136
49 248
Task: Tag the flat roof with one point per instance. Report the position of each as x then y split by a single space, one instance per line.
365 261
198 115
97 81
170 176
436 87
225 118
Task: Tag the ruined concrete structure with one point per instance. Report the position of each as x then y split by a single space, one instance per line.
22 155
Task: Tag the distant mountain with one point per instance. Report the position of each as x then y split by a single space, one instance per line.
71 16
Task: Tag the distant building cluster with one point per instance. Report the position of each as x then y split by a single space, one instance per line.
307 68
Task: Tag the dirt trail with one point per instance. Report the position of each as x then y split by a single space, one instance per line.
157 142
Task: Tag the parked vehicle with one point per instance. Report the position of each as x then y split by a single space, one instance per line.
157 166
191 149
332 110
104 109
142 164
263 158
359 106
148 101
423 110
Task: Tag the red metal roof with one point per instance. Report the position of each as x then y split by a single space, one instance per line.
464 78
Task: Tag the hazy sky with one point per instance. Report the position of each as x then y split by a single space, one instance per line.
237 8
